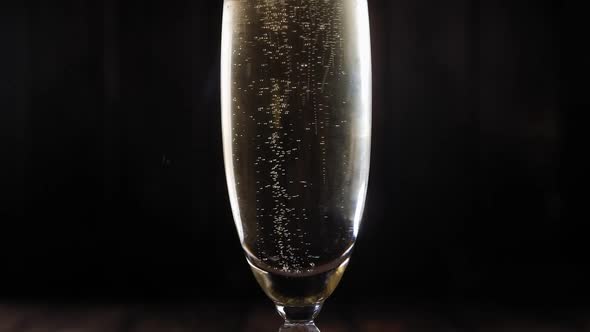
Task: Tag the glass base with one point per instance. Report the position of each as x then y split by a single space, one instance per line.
308 327
299 319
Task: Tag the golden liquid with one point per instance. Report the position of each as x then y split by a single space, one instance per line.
296 131
296 290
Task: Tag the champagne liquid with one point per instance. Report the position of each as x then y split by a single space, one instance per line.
299 291
296 134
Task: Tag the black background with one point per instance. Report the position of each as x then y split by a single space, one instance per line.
112 182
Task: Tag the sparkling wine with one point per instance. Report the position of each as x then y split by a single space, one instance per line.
299 290
296 134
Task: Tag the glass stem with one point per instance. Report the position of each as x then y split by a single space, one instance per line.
299 319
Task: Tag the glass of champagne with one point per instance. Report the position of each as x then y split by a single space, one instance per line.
296 116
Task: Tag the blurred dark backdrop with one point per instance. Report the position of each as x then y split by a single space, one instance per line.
112 182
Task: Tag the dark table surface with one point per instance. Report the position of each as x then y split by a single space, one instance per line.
233 317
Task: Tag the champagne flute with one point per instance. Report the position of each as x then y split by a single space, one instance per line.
296 116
